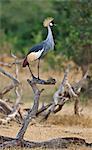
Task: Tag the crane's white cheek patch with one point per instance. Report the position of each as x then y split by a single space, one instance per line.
34 55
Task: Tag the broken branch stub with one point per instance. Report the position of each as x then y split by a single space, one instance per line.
9 75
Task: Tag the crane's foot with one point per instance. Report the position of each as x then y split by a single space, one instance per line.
38 78
34 78
41 81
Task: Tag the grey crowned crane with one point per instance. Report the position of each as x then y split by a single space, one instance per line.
42 48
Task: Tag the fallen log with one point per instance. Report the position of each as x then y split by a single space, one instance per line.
53 143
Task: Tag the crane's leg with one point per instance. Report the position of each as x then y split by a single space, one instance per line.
30 71
38 67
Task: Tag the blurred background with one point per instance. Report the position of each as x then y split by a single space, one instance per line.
21 26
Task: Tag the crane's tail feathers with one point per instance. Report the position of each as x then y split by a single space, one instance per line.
25 62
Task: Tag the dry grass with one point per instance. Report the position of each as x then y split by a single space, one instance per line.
63 124
71 120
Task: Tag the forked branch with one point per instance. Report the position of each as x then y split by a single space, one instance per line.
65 92
32 112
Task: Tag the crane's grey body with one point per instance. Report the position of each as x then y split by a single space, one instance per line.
44 46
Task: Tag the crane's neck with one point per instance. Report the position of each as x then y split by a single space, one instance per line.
49 36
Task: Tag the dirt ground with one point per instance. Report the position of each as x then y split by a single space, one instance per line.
62 124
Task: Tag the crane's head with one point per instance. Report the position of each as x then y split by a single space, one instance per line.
48 22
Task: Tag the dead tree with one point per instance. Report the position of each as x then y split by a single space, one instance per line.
11 86
63 94
60 97
12 112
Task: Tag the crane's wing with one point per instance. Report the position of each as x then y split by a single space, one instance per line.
33 54
37 48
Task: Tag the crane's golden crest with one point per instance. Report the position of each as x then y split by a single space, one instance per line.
47 21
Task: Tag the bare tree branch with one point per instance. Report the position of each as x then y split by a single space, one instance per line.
60 92
77 86
7 89
6 107
64 93
9 75
18 62
18 91
32 112
16 84
5 64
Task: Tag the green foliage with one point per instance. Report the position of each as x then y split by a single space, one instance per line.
56 62
21 27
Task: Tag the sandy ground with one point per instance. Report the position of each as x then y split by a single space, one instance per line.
63 124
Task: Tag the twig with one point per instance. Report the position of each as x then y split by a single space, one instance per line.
6 107
7 89
5 64
9 75
18 62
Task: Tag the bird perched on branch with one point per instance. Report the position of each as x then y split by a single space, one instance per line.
36 52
